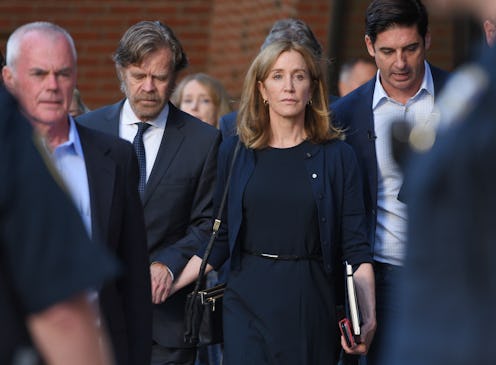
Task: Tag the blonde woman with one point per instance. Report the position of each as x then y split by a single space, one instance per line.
202 96
294 212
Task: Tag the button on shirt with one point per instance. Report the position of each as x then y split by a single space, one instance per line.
152 138
391 227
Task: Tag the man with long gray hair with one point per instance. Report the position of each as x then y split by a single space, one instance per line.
177 154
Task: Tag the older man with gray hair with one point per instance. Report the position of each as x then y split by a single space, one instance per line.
177 154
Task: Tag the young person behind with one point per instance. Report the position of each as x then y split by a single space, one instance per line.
202 96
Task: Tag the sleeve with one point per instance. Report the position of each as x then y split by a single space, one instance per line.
356 248
176 255
220 250
45 246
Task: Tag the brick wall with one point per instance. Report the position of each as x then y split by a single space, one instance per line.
240 27
221 37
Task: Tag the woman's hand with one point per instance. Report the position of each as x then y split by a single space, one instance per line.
362 347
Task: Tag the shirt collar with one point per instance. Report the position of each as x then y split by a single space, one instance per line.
427 86
128 116
73 140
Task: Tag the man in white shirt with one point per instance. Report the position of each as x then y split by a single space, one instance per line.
178 160
404 89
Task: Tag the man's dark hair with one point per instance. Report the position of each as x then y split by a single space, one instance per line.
384 14
146 37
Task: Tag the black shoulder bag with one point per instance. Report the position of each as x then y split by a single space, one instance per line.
203 317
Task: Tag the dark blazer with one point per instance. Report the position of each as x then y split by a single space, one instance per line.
177 202
227 124
117 219
354 114
336 184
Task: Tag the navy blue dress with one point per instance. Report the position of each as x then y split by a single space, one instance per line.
289 318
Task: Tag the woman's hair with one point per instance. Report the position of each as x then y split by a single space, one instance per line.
253 116
216 91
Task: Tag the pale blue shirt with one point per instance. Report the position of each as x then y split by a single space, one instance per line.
390 235
68 158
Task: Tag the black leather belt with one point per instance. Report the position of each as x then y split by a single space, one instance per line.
283 257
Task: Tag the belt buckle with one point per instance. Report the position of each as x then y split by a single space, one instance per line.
270 256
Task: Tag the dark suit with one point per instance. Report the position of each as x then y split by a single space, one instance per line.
449 289
177 202
117 219
355 115
45 254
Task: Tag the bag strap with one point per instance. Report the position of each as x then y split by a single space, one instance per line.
216 224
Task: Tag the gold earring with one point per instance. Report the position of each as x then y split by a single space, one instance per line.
266 102
310 102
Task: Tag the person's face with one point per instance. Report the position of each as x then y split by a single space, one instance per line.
359 75
148 85
74 109
399 54
490 31
288 87
43 77
196 100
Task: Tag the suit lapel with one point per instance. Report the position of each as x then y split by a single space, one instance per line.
243 169
439 78
169 147
112 117
365 111
101 175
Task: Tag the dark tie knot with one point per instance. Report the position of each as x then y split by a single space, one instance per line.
142 127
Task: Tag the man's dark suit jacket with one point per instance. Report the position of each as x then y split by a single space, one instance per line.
177 202
117 220
354 114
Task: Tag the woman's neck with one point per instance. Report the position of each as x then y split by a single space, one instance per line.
287 133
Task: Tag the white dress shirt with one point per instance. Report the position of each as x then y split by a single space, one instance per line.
151 138
390 236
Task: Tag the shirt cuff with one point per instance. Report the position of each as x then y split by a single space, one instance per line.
167 267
